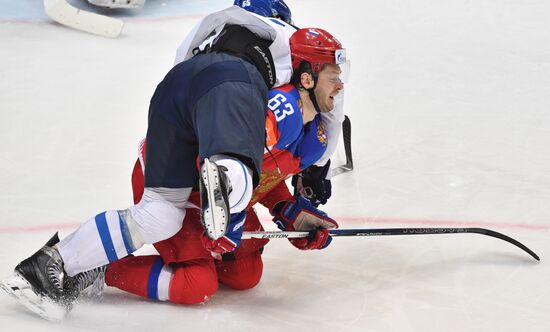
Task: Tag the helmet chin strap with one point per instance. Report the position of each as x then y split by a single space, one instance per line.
314 100
312 96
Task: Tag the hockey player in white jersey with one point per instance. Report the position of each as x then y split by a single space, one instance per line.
209 108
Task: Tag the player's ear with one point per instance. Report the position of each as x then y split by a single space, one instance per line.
306 80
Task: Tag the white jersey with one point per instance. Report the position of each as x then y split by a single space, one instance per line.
280 32
273 29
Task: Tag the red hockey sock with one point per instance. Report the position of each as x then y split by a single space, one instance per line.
138 275
189 283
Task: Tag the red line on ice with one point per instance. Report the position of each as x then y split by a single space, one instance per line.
344 222
36 228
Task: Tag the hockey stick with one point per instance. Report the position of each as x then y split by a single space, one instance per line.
62 12
346 135
392 231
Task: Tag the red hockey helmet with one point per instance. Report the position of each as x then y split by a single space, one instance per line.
316 46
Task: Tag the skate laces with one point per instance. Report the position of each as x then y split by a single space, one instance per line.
54 269
55 274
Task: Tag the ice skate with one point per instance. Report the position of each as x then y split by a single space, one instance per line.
214 189
37 283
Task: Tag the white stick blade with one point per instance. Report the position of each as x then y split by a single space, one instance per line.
64 13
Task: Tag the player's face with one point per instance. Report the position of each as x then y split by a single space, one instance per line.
328 86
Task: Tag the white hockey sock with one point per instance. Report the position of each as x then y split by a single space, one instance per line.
100 240
112 235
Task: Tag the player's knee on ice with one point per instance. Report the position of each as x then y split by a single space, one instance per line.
193 282
242 273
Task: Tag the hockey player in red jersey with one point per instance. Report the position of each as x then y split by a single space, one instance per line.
210 105
189 269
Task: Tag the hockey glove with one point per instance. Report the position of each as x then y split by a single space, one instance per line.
301 215
312 184
232 238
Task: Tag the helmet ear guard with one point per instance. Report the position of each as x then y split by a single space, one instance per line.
282 11
267 8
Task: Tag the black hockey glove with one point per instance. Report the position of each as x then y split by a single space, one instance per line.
312 184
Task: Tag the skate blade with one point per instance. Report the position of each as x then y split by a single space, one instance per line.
215 216
20 289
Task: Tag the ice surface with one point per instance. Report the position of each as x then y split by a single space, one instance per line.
449 102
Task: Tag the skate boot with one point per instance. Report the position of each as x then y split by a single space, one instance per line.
38 283
89 284
214 188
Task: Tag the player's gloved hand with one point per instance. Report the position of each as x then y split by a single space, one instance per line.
232 238
312 184
301 215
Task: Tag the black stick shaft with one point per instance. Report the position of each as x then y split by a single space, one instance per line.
395 231
346 130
